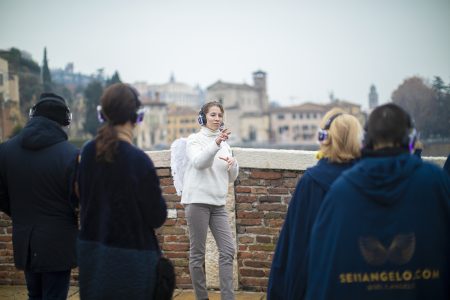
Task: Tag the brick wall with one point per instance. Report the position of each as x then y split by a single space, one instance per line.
262 197
266 182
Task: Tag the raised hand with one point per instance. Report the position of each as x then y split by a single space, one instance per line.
223 136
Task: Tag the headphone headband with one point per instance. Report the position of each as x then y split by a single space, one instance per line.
51 97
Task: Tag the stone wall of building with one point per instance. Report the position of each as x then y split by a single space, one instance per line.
257 203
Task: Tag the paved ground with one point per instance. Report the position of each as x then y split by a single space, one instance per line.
18 292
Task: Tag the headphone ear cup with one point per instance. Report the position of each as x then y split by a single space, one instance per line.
32 111
322 135
201 119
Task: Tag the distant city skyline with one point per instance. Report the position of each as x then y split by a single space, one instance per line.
309 49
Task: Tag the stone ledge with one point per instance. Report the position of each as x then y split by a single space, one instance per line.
269 158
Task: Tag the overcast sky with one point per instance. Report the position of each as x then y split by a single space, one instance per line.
308 48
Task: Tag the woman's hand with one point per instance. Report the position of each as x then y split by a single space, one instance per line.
230 161
223 136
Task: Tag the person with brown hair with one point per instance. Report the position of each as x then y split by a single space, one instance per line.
340 145
210 168
120 206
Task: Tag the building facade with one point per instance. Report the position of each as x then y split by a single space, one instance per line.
151 134
10 116
182 121
296 124
243 101
172 92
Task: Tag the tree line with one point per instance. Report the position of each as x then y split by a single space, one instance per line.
34 80
428 104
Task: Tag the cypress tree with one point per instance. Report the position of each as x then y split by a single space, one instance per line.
46 76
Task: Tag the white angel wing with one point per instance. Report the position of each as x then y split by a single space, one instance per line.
178 161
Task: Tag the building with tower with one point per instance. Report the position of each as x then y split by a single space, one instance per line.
373 97
244 102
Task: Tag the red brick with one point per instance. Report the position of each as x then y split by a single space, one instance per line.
169 190
290 174
265 175
243 189
172 197
249 222
270 199
251 182
263 239
176 247
242 247
272 207
259 190
5 238
249 215
290 182
275 215
244 207
262 247
166 181
246 240
170 222
262 230
274 222
171 230
170 254
163 172
253 282
251 272
280 190
258 264
245 199
244 255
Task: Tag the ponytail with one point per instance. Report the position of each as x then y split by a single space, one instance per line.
106 143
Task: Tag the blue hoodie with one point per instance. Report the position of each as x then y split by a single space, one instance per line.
383 233
287 274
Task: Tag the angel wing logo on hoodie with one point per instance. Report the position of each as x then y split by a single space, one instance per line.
399 252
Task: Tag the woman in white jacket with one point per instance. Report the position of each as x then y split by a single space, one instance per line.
210 167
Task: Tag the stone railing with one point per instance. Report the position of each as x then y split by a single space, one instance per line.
257 203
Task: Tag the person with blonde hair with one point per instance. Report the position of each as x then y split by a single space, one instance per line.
340 146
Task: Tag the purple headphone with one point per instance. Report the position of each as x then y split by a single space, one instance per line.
323 132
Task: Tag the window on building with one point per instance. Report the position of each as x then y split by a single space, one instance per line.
1 79
300 115
305 127
307 115
294 116
314 116
280 117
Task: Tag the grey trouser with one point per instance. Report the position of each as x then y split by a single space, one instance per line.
199 217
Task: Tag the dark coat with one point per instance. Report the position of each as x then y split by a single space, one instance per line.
120 206
288 271
447 165
383 232
37 168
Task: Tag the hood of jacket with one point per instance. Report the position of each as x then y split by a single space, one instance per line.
383 179
40 133
325 172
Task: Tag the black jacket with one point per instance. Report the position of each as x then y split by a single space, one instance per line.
37 168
